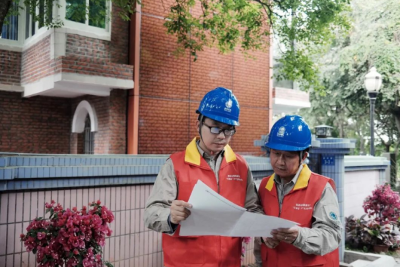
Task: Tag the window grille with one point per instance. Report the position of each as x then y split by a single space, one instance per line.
88 138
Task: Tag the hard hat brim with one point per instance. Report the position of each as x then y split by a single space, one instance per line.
285 147
220 119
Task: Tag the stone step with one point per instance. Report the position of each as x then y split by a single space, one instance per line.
360 263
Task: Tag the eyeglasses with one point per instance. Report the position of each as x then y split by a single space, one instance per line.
216 130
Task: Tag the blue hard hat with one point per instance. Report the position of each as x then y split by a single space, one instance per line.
290 133
220 105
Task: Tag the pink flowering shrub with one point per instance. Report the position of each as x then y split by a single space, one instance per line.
69 237
383 205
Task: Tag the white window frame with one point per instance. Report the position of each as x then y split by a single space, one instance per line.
21 32
69 26
85 27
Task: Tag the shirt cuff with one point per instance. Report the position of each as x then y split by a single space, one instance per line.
298 243
172 226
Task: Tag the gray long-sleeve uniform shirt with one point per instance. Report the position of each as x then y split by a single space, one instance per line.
165 191
325 233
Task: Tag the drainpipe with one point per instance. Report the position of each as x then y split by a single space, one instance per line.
271 86
133 101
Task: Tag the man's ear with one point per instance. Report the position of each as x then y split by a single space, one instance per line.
304 156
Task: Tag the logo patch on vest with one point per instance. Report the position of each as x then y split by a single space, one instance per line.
234 177
303 206
333 216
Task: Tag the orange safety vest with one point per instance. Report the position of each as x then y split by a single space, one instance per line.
298 205
206 251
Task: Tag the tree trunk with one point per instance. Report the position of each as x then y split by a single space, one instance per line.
4 8
362 145
396 114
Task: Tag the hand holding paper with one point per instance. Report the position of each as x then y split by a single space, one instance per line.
213 214
179 211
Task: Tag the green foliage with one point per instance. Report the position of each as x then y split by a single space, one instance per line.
374 40
45 14
76 10
231 24
126 7
246 24
356 235
225 24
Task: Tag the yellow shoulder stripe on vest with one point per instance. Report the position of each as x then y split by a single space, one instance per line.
302 181
304 177
192 154
229 154
270 183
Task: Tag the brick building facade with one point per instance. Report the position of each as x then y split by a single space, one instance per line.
44 80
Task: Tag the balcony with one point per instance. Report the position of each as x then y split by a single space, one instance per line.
74 60
289 101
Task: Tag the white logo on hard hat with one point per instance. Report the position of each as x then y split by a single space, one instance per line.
281 132
300 128
228 105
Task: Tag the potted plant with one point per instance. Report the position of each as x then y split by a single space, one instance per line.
383 209
356 234
381 235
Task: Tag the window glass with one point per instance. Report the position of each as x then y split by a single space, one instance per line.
97 13
10 26
27 22
75 10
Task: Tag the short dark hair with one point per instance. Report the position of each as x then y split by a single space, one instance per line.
201 118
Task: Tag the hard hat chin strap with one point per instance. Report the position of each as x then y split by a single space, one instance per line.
301 154
201 119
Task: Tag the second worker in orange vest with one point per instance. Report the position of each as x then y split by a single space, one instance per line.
210 159
295 193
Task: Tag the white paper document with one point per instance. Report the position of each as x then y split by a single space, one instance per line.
213 214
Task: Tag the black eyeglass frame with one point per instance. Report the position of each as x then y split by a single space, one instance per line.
217 130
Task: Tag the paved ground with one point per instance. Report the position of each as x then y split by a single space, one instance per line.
398 262
397 259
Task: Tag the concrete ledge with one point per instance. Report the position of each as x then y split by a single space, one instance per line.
359 161
370 259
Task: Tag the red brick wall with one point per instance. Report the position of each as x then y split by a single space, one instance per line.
117 127
30 125
92 56
84 55
119 39
43 124
34 125
10 67
36 62
171 89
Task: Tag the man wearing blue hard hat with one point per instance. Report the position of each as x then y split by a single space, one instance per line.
208 158
295 193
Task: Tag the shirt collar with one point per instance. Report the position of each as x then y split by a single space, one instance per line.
278 179
204 154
